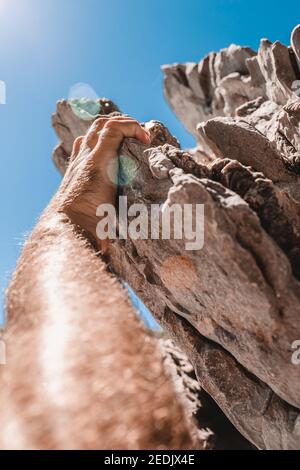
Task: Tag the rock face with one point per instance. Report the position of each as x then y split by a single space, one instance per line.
233 306
213 431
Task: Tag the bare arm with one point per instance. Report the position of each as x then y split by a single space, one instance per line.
80 371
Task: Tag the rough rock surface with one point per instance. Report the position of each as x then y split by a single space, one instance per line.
213 430
234 306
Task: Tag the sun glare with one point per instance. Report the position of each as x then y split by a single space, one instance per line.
3 5
20 22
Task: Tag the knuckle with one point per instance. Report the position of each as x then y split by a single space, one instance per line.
111 130
111 124
78 140
99 120
135 121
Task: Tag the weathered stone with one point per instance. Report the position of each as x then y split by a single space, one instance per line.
276 67
216 87
213 430
255 410
237 140
230 79
189 108
232 59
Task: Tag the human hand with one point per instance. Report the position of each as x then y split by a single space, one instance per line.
91 177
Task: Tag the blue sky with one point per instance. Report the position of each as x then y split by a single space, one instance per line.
117 47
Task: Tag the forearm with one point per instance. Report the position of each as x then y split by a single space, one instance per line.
80 372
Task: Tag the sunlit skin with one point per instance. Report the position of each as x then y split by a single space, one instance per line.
90 179
81 373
